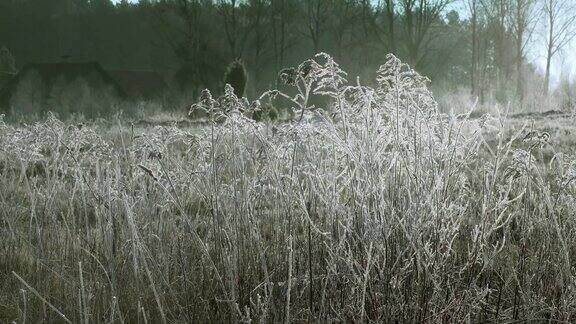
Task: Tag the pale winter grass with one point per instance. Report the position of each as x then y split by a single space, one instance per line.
376 208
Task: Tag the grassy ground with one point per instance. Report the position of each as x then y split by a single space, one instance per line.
383 211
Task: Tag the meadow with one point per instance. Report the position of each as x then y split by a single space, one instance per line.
375 207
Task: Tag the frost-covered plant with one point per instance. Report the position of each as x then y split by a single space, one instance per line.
370 205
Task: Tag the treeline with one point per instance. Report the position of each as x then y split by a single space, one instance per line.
479 44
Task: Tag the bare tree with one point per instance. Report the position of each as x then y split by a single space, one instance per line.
390 11
419 17
560 16
279 15
316 18
183 29
386 10
473 8
257 14
342 22
497 14
523 21
235 27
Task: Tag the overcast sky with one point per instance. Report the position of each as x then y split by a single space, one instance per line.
564 64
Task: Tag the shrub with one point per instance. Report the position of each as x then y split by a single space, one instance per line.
237 77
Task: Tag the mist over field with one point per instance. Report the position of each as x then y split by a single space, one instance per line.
184 161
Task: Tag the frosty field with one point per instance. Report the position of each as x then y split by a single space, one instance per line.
377 208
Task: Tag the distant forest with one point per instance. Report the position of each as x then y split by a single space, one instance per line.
192 41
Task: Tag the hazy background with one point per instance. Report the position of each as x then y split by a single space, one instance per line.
491 50
565 63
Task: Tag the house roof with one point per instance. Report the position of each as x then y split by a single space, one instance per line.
49 73
131 84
